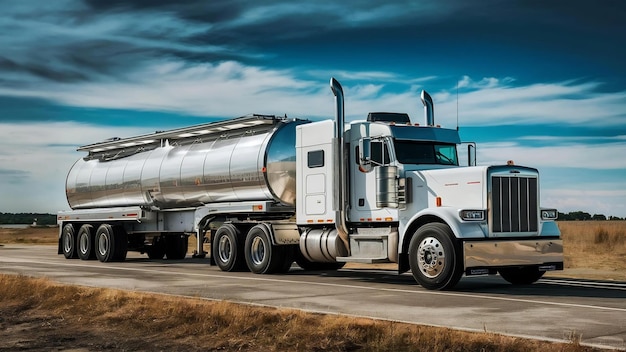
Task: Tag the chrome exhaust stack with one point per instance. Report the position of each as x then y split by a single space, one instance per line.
339 163
429 108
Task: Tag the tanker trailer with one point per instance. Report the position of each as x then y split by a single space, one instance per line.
142 193
264 191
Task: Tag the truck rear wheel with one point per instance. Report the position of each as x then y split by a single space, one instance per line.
228 248
521 276
68 241
85 241
261 256
434 258
110 243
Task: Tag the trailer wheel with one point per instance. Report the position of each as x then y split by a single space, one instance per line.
434 258
261 256
110 243
521 276
68 241
157 249
227 248
176 246
85 241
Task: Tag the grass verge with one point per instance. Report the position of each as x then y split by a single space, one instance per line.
594 249
37 314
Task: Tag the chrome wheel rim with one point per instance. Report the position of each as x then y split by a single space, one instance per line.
224 249
84 245
431 257
103 244
67 243
257 251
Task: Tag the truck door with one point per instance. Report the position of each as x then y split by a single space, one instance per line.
363 184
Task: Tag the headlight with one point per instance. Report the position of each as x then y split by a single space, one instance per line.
549 214
472 215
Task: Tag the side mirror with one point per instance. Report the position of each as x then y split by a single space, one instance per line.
365 154
365 151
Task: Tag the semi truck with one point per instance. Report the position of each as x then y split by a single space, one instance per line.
263 191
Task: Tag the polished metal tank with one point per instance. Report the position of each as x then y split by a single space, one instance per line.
246 159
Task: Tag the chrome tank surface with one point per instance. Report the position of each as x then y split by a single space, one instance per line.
237 162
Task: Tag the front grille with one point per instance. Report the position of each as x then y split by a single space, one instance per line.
514 204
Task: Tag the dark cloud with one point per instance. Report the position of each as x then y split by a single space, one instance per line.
110 39
43 71
195 10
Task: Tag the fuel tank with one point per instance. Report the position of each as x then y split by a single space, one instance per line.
252 158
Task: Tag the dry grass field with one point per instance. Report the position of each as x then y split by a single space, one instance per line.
30 235
594 249
39 315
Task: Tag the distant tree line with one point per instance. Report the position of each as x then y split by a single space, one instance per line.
28 218
582 216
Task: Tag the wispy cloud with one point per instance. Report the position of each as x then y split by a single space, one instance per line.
209 89
599 201
33 163
493 101
597 156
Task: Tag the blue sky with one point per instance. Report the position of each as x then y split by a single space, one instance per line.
539 82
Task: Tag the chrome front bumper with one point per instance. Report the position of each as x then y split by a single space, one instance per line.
501 253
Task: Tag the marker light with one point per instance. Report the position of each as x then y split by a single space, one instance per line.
549 214
472 215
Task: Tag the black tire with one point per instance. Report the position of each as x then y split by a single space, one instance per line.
521 276
110 243
84 242
157 249
68 242
227 248
315 266
261 256
176 246
435 258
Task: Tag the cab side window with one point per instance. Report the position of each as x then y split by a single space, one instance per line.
380 153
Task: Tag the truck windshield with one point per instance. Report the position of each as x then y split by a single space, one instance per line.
413 152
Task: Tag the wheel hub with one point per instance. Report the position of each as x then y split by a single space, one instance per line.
431 257
224 249
257 252
103 244
83 244
67 243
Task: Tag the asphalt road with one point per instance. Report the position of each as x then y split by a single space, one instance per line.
552 309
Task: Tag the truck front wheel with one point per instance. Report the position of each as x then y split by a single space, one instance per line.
434 258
